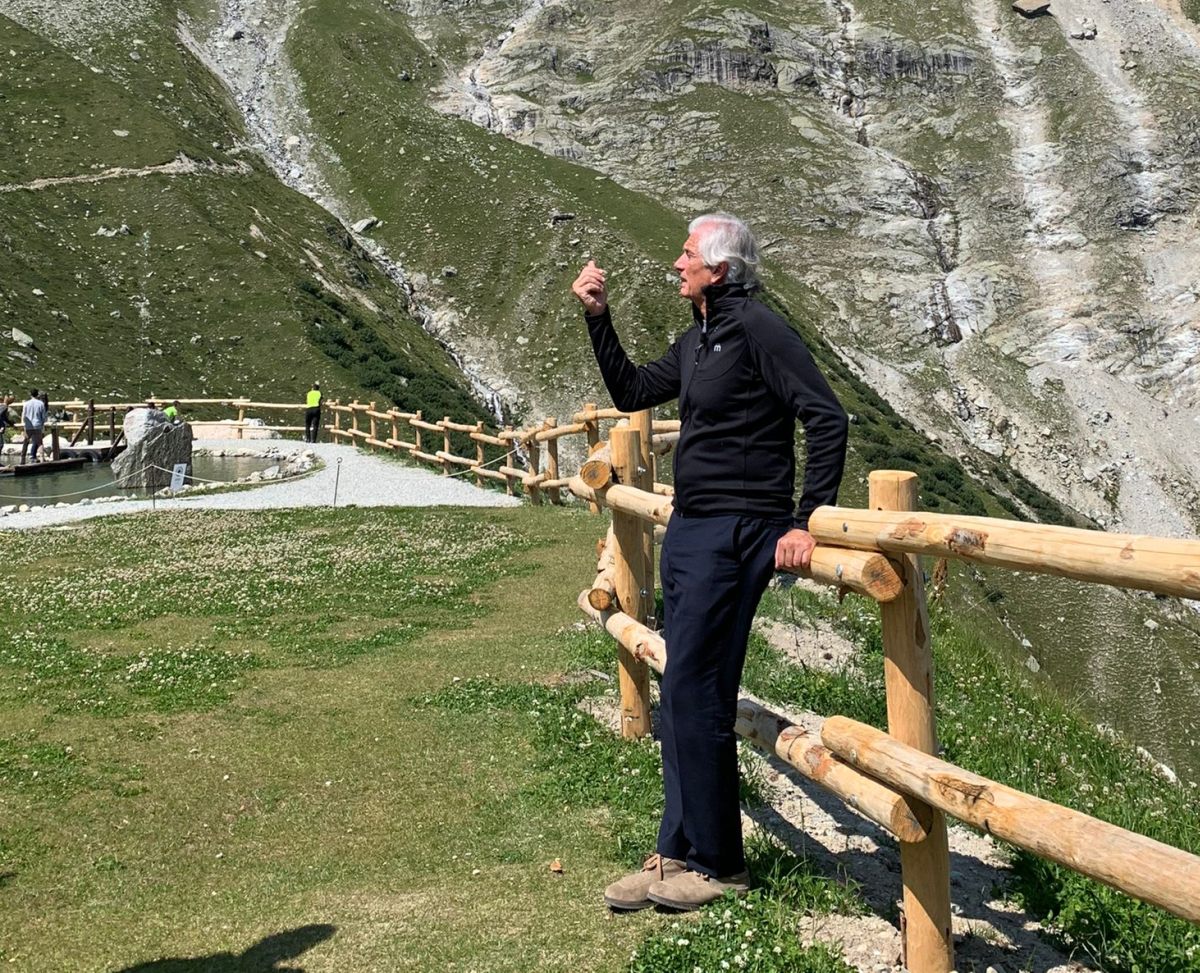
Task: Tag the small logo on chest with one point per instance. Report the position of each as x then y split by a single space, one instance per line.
717 347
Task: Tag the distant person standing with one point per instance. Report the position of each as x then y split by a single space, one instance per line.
312 413
172 411
33 418
6 420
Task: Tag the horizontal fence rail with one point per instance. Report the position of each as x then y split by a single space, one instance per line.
1142 867
530 458
1166 565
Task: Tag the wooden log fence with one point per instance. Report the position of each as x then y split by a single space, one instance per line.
528 460
898 780
1139 866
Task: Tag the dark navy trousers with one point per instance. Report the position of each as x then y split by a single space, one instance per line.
714 572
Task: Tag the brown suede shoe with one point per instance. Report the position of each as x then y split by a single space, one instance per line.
629 893
690 890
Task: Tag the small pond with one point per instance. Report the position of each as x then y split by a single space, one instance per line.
96 480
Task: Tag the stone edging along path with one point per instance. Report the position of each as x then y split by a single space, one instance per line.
362 479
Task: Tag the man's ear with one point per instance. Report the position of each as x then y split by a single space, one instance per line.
720 271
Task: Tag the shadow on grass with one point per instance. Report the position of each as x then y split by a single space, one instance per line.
262 957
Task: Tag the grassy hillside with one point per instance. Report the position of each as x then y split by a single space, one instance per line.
207 278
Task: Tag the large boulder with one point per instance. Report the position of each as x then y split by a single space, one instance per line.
154 445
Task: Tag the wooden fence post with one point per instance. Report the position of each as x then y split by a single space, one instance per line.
479 455
335 432
535 462
373 428
91 436
354 421
508 461
416 433
593 438
925 924
643 422
552 460
634 582
395 428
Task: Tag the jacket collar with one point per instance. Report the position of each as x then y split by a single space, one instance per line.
719 299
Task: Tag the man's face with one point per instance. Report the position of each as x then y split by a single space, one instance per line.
694 276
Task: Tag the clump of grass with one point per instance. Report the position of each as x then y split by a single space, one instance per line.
735 934
582 763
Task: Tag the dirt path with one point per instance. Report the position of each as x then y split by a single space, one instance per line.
181 165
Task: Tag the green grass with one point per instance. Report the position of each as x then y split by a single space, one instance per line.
340 733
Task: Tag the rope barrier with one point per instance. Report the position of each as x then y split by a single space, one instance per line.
78 493
192 476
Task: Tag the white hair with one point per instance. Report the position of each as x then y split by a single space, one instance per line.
729 241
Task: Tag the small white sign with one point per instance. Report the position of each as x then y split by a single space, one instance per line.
178 475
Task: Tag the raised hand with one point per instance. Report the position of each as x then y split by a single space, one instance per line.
591 289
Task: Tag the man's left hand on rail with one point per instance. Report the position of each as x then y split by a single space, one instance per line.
794 550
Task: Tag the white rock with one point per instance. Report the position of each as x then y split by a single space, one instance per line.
38 292
366 223
121 133
1150 624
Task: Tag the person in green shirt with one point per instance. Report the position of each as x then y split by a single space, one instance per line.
312 413
172 411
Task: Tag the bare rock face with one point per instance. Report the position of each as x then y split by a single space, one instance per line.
155 445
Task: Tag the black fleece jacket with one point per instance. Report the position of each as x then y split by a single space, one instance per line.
742 378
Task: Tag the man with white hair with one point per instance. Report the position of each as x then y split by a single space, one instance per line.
743 377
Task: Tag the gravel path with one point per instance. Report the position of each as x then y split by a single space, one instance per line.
365 480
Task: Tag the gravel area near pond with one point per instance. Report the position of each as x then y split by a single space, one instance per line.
365 480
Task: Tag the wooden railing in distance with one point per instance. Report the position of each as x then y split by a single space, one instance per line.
536 446
113 411
901 784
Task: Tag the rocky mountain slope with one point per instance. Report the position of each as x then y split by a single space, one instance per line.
1002 211
992 220
147 251
981 216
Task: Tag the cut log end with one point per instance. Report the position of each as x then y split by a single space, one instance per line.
602 600
596 473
